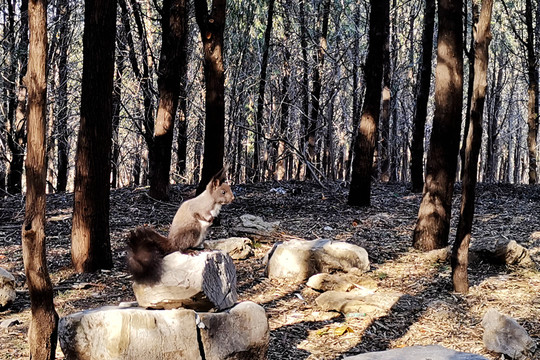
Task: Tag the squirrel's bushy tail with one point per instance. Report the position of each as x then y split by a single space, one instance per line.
145 254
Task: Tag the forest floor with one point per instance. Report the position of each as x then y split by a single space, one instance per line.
427 312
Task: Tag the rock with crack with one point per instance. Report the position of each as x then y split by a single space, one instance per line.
238 248
362 301
7 288
296 260
429 352
201 282
113 333
504 335
502 251
254 227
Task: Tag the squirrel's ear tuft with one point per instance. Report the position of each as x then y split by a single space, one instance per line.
221 175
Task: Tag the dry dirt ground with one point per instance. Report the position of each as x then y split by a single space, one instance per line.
428 312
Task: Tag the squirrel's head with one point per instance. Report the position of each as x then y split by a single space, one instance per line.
219 189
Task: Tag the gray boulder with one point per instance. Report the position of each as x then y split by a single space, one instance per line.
7 288
113 333
199 282
429 352
296 260
238 248
502 251
504 335
255 227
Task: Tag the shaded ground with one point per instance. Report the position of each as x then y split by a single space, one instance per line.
428 312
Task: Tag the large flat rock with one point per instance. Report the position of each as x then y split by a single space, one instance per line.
114 333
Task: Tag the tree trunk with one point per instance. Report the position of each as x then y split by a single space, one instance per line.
532 106
173 39
116 104
181 153
43 329
364 146
212 25
460 250
17 110
90 238
317 85
433 223
422 97
260 100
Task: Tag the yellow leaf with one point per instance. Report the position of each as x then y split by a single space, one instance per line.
342 330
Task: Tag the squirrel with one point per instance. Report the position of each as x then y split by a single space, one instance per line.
147 247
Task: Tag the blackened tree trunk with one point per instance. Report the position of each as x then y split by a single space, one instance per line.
460 250
17 109
364 146
433 225
211 25
90 238
317 84
532 106
173 39
422 97
181 140
43 329
260 100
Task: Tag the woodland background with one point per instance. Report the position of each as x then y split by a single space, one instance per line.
291 109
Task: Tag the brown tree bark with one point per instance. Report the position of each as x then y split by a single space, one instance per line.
364 146
422 97
211 25
17 106
90 238
460 249
532 106
43 328
433 224
116 105
181 139
260 99
173 39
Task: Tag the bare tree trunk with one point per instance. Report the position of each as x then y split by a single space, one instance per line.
116 104
304 88
433 225
260 100
212 25
173 39
364 146
181 152
460 250
43 328
90 238
422 97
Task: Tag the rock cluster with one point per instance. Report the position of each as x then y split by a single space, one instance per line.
7 288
